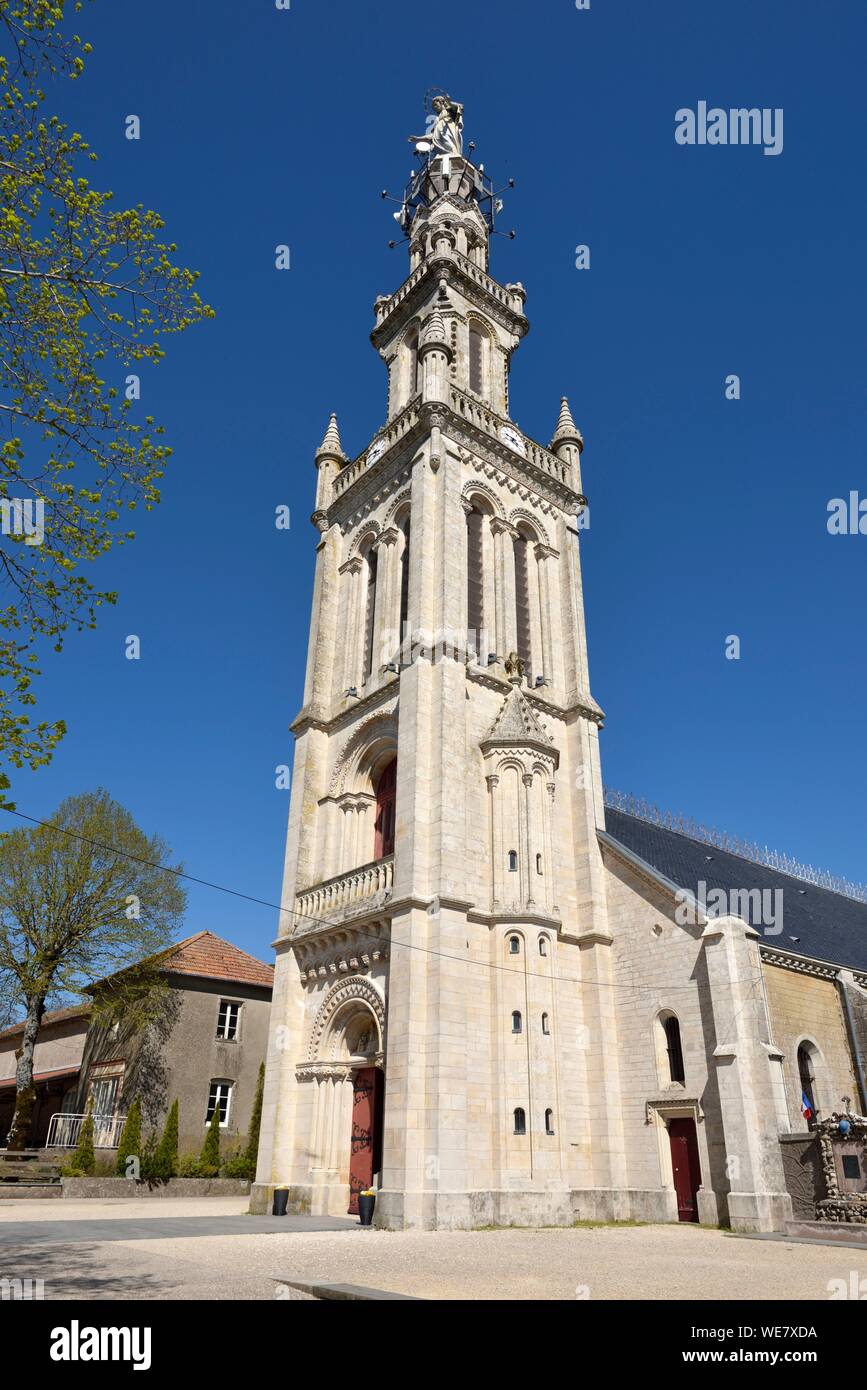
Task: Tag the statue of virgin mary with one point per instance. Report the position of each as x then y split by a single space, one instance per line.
445 127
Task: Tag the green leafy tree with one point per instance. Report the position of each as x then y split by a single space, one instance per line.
211 1147
88 293
81 899
84 1158
167 1151
130 1139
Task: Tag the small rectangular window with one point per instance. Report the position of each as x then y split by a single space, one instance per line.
219 1094
851 1166
228 1021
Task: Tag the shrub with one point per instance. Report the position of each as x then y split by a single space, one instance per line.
190 1166
149 1159
238 1166
211 1147
130 1140
166 1157
84 1158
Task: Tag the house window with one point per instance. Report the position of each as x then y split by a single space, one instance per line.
228 1021
674 1050
543 946
545 1029
386 796
516 1021
549 1121
514 945
513 861
103 1094
520 1121
219 1095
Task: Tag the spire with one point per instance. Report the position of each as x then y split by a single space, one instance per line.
331 447
434 329
567 432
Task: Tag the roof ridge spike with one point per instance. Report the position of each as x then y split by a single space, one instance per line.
745 849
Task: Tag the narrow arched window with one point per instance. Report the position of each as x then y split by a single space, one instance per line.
386 793
369 612
514 945
414 364
517 1025
543 945
520 1121
513 861
549 1121
538 863
475 581
477 348
404 577
522 603
545 1029
807 1078
674 1050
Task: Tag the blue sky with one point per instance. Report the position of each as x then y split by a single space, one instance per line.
708 516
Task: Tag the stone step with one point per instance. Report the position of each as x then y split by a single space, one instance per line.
829 1232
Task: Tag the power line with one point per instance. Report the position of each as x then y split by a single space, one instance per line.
322 921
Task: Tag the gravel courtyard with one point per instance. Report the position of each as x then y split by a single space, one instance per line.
658 1262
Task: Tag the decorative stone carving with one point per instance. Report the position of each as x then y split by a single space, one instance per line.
354 987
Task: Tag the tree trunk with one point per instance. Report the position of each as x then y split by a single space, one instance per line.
25 1091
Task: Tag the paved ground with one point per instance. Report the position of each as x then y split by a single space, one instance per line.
658 1262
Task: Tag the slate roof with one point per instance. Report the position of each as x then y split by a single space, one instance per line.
213 958
817 922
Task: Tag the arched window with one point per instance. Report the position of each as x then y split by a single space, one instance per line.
477 357
538 863
520 1121
807 1077
674 1050
549 1121
514 945
475 581
386 790
517 1025
543 945
522 604
513 861
369 611
404 576
545 1029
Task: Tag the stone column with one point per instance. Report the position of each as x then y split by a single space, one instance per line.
352 570
504 535
757 1200
386 621
545 559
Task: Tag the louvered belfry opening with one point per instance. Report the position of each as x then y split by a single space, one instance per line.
522 604
475 588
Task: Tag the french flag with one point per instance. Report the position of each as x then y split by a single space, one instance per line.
806 1107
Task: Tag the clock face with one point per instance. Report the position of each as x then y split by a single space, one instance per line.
376 451
513 439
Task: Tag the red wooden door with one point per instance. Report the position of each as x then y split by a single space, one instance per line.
686 1167
366 1143
386 792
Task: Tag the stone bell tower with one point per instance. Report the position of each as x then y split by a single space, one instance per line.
444 952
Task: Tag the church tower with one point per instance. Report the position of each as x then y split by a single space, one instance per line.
443 1025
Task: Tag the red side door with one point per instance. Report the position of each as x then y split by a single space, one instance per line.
366 1142
685 1166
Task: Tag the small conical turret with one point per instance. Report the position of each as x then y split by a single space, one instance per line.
331 447
567 432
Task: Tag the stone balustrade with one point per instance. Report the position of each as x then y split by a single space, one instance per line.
358 890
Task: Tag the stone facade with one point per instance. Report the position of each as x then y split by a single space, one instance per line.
511 972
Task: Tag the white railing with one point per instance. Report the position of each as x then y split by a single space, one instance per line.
344 892
64 1131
